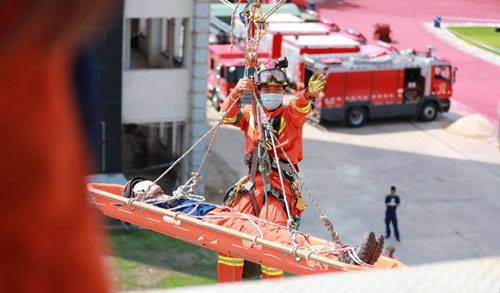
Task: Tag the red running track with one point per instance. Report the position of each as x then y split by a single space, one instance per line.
478 81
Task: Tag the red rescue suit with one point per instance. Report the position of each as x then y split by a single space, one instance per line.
289 134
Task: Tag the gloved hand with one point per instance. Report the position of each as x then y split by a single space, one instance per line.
244 85
316 84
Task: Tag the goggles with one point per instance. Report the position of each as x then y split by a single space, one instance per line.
268 75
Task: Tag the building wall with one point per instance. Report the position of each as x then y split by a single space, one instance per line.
156 95
165 48
156 88
199 72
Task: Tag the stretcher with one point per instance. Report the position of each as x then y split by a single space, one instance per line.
227 231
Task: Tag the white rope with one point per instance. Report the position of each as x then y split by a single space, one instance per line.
294 242
281 178
336 238
255 43
229 4
232 23
273 9
187 190
356 258
215 127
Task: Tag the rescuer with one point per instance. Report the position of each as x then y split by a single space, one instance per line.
260 192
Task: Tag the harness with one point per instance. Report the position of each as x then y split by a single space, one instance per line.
264 163
286 168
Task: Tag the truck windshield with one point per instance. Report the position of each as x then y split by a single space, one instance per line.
442 72
234 73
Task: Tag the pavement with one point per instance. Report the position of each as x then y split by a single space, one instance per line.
476 85
449 185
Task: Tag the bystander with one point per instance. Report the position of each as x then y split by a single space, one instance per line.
392 203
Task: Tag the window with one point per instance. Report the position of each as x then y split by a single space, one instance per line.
220 71
155 42
173 40
442 72
151 146
234 73
212 62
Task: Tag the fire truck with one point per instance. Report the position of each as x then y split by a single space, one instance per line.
225 68
273 40
300 3
396 84
293 47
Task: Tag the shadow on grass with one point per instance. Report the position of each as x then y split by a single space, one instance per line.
179 263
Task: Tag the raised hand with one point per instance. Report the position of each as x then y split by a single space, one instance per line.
316 84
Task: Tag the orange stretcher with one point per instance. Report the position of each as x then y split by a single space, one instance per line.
229 232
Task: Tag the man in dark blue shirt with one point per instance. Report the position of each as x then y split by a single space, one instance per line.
392 202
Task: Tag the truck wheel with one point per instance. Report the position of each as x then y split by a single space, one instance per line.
215 100
356 116
428 112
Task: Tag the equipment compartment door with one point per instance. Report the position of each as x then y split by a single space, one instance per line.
359 87
384 101
413 92
335 90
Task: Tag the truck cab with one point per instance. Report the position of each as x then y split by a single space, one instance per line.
225 68
442 78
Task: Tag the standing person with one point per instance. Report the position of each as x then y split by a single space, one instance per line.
392 203
261 194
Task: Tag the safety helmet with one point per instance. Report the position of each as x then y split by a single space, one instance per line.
272 73
142 186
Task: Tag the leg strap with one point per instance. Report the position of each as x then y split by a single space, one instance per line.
250 185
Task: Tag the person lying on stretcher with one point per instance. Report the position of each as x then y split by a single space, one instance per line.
151 193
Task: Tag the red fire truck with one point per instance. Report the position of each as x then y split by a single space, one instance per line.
272 41
300 3
392 85
293 47
224 71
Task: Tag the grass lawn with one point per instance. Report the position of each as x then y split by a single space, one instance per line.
144 260
479 35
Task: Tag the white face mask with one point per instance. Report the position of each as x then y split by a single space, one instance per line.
271 101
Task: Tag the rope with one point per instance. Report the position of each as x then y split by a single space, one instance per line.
281 179
216 126
229 4
232 25
292 231
328 224
293 234
254 34
253 42
273 9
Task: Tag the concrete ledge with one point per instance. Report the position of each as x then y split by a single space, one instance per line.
475 275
